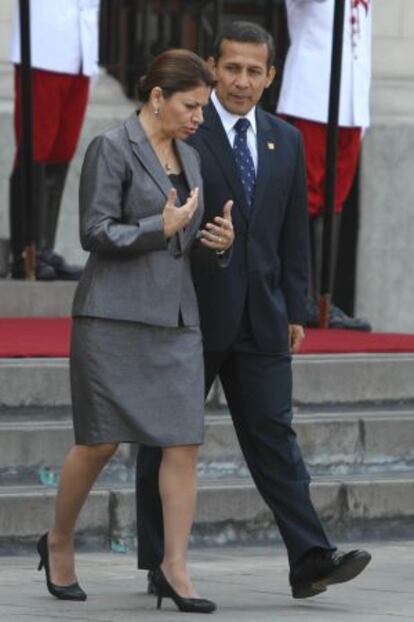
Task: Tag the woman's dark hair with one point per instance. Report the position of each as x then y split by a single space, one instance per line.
245 32
174 71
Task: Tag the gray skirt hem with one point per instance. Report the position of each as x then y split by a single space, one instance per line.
85 443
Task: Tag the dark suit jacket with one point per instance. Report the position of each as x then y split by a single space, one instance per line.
268 268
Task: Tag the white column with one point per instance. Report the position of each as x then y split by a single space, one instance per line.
6 13
385 273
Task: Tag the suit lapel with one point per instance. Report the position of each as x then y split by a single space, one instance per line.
145 153
268 155
215 136
192 174
189 165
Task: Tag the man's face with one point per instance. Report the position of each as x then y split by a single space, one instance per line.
242 74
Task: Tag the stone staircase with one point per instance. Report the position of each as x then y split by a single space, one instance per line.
354 415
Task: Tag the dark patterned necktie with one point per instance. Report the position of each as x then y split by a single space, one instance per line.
244 159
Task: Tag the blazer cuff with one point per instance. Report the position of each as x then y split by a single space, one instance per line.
298 318
152 229
174 246
223 258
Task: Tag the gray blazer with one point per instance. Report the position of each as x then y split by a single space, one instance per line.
133 273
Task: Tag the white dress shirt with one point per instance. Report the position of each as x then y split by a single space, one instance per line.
229 120
306 75
64 36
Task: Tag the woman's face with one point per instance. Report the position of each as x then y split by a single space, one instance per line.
182 113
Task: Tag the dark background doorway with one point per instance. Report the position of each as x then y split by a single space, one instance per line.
133 32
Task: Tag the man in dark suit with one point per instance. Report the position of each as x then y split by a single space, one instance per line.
252 312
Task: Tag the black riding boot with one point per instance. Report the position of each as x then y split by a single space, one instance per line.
315 270
337 317
44 272
55 178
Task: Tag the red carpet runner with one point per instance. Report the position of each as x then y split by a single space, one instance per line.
50 337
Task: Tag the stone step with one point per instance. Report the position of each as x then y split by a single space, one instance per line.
229 511
36 299
336 442
318 379
33 447
6 84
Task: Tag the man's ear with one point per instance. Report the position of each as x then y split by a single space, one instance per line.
211 62
270 75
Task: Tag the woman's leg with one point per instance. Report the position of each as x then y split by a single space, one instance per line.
80 470
178 489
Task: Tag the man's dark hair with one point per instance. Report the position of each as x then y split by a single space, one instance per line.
245 32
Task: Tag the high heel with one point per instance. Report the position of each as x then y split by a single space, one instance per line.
63 592
151 587
187 605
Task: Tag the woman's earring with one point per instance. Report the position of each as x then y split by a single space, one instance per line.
156 111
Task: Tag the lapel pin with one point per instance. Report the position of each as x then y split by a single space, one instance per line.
271 145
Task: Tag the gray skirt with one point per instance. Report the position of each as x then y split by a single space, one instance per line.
132 382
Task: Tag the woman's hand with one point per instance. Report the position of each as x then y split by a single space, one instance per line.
176 218
220 235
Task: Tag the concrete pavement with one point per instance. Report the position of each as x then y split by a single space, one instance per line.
249 585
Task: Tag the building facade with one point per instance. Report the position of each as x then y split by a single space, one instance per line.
385 253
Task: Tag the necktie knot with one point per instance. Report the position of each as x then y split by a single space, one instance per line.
241 126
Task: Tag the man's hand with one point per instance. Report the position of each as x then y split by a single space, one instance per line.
220 235
296 336
176 218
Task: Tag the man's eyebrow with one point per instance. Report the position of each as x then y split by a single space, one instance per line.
237 64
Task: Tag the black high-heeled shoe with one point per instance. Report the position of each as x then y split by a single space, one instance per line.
187 605
151 587
63 592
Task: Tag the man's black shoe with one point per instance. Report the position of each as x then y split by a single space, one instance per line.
63 270
320 568
337 318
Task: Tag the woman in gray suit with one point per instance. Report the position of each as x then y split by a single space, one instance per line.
136 357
